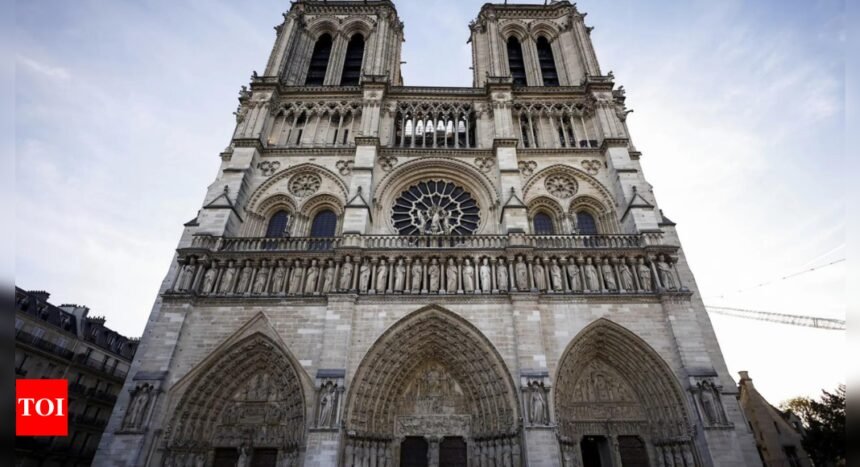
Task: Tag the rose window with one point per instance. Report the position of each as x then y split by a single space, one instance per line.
561 186
436 207
304 185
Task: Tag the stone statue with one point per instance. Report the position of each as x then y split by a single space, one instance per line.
245 278
346 275
502 275
364 277
296 277
538 405
261 281
555 275
416 276
399 276
486 276
626 277
382 276
468 276
328 278
452 274
522 273
209 279
244 455
666 276
540 275
434 273
327 395
573 274
644 276
200 460
187 276
608 275
592 282
278 278
711 404
227 278
311 280
140 400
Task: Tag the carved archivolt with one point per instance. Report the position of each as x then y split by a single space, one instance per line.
250 393
432 363
611 382
586 184
462 174
278 184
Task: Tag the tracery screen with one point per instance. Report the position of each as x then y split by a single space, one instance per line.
436 207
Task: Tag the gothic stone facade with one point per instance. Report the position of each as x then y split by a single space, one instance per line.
386 275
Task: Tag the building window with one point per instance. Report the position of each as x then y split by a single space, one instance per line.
436 207
324 224
547 62
354 58
543 224
279 225
319 61
585 223
516 62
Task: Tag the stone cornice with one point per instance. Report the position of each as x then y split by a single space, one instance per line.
340 7
505 143
435 152
614 143
367 141
537 152
254 143
300 151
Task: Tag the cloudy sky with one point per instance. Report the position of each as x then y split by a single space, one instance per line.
121 109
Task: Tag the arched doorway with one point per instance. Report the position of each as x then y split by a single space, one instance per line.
245 405
434 377
618 403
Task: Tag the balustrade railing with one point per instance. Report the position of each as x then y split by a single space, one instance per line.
399 242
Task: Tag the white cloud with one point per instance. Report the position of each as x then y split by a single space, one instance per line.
52 72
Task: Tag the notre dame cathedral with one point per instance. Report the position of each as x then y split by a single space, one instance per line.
384 275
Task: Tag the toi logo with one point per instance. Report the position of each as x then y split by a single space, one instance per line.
41 407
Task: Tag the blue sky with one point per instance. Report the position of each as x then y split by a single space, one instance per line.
121 109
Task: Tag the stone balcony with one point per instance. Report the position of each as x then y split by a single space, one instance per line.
390 264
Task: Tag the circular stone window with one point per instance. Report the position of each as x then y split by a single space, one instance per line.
305 184
561 186
436 207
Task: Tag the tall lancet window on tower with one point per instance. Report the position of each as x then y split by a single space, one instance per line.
516 62
354 58
547 62
319 61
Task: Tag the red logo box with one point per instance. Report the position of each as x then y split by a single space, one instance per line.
41 407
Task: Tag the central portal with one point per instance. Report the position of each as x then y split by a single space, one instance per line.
433 392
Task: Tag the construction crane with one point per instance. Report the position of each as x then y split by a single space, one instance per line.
793 320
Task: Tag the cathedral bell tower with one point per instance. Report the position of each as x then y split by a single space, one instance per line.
385 275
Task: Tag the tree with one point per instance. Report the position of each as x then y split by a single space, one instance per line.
824 437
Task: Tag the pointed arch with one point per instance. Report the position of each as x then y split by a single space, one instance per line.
465 175
320 57
354 61
250 389
610 382
516 61
276 184
436 336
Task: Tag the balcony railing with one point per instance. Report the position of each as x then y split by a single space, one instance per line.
43 344
90 363
466 242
